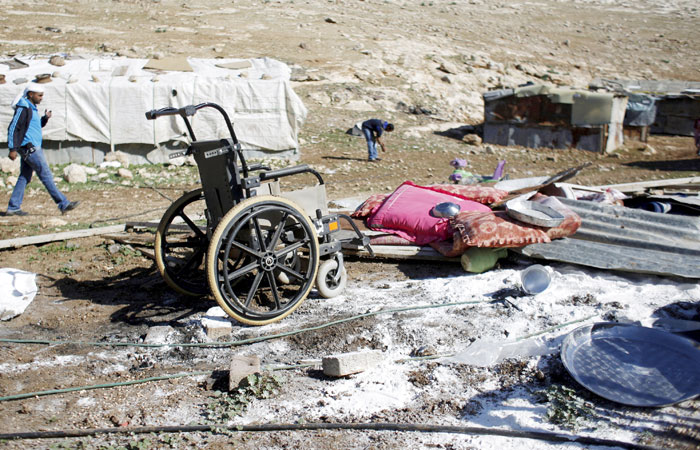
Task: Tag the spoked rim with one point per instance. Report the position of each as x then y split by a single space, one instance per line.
262 260
180 248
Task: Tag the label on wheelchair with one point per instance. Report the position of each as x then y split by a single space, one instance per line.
176 155
217 152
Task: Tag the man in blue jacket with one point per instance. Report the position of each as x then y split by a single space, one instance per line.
373 130
24 137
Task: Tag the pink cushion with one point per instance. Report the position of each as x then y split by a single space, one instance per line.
406 213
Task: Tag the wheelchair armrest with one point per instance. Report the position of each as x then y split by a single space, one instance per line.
287 171
258 166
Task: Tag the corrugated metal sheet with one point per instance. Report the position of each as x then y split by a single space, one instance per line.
533 136
657 87
627 239
678 102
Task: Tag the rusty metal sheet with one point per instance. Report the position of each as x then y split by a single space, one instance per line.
627 239
533 136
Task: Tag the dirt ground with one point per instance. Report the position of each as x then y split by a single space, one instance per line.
357 60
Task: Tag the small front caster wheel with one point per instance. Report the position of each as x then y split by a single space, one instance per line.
326 282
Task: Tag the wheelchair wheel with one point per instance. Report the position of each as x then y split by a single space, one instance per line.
262 260
326 284
181 245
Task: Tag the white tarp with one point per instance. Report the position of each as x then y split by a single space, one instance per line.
17 290
105 101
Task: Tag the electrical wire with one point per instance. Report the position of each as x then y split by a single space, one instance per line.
286 367
243 341
101 386
386 426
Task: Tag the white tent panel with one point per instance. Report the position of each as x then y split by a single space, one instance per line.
87 111
128 103
104 101
55 129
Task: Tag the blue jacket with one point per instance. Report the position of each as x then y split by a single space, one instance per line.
25 126
375 125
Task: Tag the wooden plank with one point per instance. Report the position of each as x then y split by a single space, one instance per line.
149 224
641 185
44 238
413 252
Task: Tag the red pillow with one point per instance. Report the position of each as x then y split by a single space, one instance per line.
493 229
369 206
406 213
481 194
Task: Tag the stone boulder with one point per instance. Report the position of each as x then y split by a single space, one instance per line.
120 156
125 173
9 166
472 139
75 173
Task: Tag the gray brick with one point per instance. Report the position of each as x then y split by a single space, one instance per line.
241 367
349 363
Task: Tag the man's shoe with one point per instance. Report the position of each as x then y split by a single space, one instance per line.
375 160
70 206
17 212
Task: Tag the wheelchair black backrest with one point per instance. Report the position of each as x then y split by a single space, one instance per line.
220 176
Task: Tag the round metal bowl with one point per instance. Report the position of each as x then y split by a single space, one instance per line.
445 209
633 365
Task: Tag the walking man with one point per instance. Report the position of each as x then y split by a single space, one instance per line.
373 130
24 137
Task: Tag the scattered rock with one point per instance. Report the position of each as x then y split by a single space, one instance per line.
648 149
125 173
216 323
112 164
119 420
424 350
75 173
471 139
448 67
120 156
330 20
9 166
159 334
240 368
349 363
53 222
57 60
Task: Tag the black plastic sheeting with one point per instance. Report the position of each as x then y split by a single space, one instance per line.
641 110
627 239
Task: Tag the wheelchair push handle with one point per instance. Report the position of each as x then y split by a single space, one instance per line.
188 110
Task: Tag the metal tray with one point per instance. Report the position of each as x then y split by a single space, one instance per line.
633 365
533 213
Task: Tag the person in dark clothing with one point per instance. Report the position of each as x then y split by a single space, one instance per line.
24 138
373 130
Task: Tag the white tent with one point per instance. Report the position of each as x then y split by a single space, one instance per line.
103 101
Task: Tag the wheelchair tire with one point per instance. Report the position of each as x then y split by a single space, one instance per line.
250 247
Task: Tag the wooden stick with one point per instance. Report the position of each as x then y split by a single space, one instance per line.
43 238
